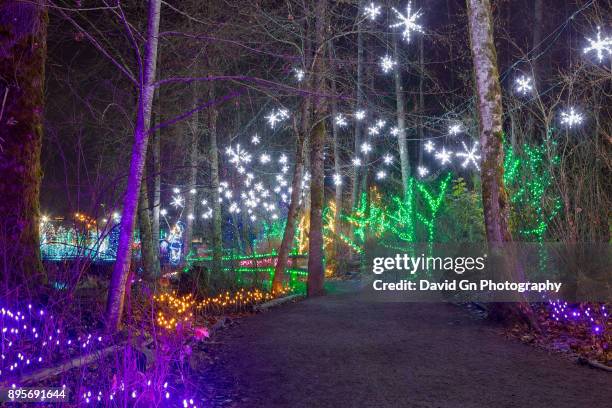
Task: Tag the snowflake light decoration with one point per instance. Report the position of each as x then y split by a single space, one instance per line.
429 146
443 156
599 45
469 155
255 140
374 131
395 131
523 84
422 171
337 179
265 158
366 148
360 115
283 159
380 175
455 129
387 159
372 11
340 120
387 64
408 21
356 162
299 74
177 201
571 118
238 155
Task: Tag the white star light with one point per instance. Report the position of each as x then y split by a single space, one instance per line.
422 171
455 129
372 11
299 74
264 158
366 148
340 120
470 155
380 175
407 22
360 115
238 155
571 118
387 63
429 146
337 179
356 162
395 131
177 201
599 45
443 156
523 84
282 159
388 159
374 131
255 140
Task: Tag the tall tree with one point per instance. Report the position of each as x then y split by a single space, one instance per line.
494 195
360 100
148 250
400 105
146 81
23 51
213 157
316 271
301 133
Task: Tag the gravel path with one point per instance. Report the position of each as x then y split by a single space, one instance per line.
341 350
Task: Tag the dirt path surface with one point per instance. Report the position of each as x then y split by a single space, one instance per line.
344 351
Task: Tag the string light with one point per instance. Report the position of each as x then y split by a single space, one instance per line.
408 22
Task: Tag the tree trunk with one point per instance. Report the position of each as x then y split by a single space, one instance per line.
358 124
192 169
296 191
217 238
401 120
316 270
149 258
23 52
494 196
155 211
118 284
